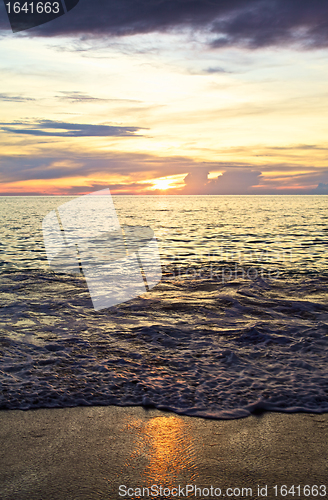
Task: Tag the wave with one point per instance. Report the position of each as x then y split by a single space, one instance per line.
194 345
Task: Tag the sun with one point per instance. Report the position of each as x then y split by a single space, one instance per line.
168 182
162 184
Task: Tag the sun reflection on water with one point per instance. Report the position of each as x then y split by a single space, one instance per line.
167 447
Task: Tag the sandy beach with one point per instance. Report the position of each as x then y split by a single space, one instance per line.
107 452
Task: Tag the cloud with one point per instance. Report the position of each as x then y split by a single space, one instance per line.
14 98
321 188
74 171
234 181
243 181
304 147
75 96
273 23
213 70
129 188
52 128
251 23
58 165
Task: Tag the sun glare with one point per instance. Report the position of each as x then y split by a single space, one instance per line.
169 182
163 184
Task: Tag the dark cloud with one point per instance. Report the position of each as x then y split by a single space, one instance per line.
321 188
52 128
251 23
14 98
275 22
135 167
127 189
234 181
70 164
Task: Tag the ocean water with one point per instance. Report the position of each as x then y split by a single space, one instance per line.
239 322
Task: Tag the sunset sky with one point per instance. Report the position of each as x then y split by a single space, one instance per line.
167 97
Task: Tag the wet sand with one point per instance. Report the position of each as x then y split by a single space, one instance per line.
87 453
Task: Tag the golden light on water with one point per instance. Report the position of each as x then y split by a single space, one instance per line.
171 445
168 447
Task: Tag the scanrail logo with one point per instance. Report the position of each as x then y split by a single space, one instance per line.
119 262
24 15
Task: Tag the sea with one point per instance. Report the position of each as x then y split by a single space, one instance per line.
237 325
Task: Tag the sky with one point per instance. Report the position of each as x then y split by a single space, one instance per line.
167 97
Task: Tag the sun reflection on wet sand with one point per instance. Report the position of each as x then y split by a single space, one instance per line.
165 445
